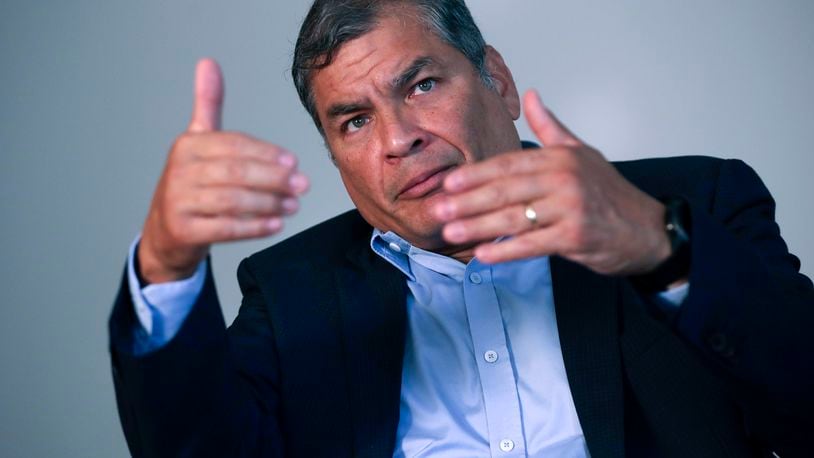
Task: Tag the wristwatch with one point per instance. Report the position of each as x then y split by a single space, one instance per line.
677 224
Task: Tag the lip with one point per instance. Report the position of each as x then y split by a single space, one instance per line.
425 183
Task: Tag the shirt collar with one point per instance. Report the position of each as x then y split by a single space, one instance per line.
392 249
401 254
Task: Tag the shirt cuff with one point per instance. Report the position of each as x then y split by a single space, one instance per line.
161 308
673 297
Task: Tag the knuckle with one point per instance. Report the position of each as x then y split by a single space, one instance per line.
273 205
493 197
527 187
233 202
575 200
175 173
510 219
227 231
183 143
237 142
235 171
566 157
273 151
179 230
505 163
564 179
525 245
574 233
570 160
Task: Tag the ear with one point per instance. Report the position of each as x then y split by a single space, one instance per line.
503 80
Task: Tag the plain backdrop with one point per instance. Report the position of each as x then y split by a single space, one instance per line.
92 94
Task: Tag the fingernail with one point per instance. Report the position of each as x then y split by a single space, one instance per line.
454 232
482 254
298 182
290 205
274 224
453 182
287 160
443 210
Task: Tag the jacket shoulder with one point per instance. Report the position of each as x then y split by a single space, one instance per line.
693 177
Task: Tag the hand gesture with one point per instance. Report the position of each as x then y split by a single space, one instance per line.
216 186
563 199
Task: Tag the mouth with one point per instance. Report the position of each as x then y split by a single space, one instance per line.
425 183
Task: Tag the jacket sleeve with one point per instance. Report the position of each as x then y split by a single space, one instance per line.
750 311
209 391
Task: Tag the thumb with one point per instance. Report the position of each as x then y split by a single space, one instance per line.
206 110
548 129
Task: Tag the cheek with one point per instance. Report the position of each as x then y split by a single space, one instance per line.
449 121
361 180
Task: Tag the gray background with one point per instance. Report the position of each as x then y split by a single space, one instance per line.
92 94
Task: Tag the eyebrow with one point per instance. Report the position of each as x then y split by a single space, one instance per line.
410 72
341 109
399 82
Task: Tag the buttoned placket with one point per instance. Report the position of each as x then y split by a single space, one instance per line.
503 414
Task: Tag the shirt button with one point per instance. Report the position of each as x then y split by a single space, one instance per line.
507 445
395 247
490 356
475 278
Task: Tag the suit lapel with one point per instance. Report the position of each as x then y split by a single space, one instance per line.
587 321
372 298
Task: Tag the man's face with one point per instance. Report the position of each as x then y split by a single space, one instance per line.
401 109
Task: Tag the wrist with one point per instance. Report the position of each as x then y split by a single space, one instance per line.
652 242
673 269
152 268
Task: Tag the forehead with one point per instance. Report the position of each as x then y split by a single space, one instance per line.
371 61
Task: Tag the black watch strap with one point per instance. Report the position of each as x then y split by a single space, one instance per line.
677 266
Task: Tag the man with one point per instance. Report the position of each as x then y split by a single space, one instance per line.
488 298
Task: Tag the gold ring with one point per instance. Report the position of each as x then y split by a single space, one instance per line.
530 215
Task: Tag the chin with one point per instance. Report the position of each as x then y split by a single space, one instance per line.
427 238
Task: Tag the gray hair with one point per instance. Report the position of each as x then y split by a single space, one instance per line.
331 23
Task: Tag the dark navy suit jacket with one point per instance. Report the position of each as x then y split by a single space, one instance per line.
312 364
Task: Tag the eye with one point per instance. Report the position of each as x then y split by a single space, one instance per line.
423 86
355 124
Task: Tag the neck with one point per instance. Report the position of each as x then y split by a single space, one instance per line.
462 253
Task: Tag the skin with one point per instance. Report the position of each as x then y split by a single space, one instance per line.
443 117
216 186
425 149
446 116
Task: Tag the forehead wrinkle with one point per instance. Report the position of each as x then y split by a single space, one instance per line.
392 75
381 83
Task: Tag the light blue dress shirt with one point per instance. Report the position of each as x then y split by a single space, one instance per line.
483 372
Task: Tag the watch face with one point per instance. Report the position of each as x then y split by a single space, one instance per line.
677 221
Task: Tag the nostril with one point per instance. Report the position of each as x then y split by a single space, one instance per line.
416 143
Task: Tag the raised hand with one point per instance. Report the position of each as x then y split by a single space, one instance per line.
563 199
216 186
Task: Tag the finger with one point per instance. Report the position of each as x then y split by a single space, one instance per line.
239 202
505 221
491 196
235 145
228 228
548 129
542 242
251 174
497 167
208 104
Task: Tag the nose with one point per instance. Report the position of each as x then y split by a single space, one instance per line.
401 135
